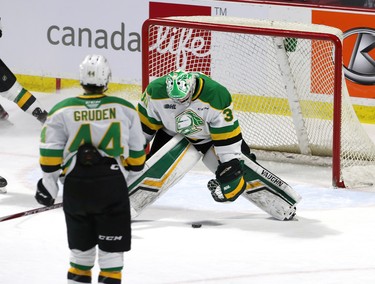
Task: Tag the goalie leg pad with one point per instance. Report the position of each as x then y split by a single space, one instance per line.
271 203
163 170
269 192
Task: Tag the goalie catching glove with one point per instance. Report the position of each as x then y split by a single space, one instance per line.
229 182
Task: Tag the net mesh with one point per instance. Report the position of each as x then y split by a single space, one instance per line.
282 86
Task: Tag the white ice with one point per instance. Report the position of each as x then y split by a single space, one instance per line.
332 239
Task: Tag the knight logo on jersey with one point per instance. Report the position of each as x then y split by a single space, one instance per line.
188 123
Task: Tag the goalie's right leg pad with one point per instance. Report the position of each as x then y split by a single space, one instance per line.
269 192
163 170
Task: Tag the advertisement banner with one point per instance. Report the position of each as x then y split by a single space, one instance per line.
50 38
358 48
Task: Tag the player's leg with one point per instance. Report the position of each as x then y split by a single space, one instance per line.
13 91
114 237
100 192
80 233
113 225
111 264
82 244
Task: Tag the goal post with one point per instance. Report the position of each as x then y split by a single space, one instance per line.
287 84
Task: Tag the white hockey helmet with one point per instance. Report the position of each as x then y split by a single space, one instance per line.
95 71
181 86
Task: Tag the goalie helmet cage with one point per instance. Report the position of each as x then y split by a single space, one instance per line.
287 85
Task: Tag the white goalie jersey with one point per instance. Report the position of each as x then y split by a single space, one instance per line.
209 117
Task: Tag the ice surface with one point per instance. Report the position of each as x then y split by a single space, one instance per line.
332 240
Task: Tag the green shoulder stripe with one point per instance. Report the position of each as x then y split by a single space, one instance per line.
157 89
83 101
143 113
213 93
117 100
69 102
224 129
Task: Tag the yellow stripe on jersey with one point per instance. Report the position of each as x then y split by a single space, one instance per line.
139 161
227 135
148 123
50 161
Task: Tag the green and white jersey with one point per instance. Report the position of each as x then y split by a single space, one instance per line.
111 124
209 117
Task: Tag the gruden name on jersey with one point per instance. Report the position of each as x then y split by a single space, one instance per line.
95 114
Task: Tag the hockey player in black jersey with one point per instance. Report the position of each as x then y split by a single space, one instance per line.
11 89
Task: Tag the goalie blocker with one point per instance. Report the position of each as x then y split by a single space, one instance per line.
166 167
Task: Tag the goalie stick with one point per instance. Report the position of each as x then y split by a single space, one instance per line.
30 212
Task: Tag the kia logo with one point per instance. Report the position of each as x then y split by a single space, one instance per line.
361 68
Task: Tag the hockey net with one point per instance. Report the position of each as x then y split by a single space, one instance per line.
287 85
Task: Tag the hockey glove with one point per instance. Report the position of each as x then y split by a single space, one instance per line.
229 182
47 188
42 195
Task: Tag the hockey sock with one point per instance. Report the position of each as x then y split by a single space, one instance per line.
79 276
109 277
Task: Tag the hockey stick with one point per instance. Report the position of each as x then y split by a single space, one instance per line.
30 212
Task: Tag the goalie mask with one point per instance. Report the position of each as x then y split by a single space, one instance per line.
181 86
95 72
